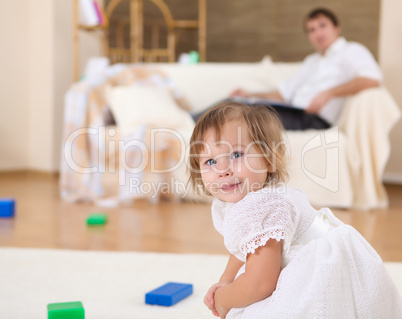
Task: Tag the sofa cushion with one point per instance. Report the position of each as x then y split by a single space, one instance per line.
205 84
134 106
280 71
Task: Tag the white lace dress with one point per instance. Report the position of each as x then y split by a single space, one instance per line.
328 269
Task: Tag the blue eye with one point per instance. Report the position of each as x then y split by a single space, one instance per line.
211 161
237 155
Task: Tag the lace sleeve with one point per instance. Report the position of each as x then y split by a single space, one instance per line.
267 217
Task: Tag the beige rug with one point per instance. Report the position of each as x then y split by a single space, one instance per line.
111 285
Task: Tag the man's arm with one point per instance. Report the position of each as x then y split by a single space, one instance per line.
256 283
349 88
273 95
354 86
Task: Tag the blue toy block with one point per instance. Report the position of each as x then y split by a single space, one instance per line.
168 294
7 207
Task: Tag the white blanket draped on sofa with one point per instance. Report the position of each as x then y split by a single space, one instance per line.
339 167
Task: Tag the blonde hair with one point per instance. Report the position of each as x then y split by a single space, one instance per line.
265 129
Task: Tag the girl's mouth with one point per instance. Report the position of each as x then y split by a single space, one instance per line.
230 187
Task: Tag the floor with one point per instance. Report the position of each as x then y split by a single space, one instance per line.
43 221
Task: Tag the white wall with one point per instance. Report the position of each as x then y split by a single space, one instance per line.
37 70
14 84
41 85
390 52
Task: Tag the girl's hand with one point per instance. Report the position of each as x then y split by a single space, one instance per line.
222 312
209 299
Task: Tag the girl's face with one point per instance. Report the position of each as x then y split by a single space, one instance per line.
233 166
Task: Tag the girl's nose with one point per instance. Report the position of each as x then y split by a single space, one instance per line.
226 173
224 168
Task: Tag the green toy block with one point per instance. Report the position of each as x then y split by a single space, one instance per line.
66 310
97 219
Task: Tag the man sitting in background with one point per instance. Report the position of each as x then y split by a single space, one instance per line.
316 93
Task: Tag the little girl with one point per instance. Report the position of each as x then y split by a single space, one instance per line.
287 260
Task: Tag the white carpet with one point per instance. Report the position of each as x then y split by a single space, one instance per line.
111 285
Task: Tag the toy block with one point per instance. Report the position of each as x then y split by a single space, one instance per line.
168 294
7 207
66 310
97 219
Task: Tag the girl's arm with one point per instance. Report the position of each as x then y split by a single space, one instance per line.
256 283
227 277
231 270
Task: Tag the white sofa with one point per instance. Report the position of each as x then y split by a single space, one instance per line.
339 167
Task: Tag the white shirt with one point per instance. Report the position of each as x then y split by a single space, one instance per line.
342 62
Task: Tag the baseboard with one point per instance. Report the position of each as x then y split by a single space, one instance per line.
29 172
391 178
